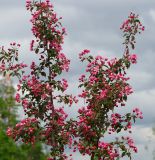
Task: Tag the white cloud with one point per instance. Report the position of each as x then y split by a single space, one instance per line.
145 101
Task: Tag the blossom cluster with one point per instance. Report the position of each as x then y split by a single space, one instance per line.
26 130
130 28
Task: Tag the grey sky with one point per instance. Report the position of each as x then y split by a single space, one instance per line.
95 25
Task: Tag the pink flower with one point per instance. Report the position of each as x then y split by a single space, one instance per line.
133 58
138 113
143 28
103 94
64 84
18 98
9 131
84 52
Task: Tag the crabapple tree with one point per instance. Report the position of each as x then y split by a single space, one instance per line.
42 93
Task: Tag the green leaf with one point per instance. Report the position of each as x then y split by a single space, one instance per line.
43 74
119 129
125 97
137 20
80 85
37 50
123 154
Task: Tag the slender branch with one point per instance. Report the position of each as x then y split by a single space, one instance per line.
51 94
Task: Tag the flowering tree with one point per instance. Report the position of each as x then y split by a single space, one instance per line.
105 88
42 93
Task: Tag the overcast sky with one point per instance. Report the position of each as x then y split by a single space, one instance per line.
94 25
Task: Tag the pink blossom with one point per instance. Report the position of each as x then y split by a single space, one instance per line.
18 98
133 58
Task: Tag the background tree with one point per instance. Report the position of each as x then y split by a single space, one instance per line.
8 117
